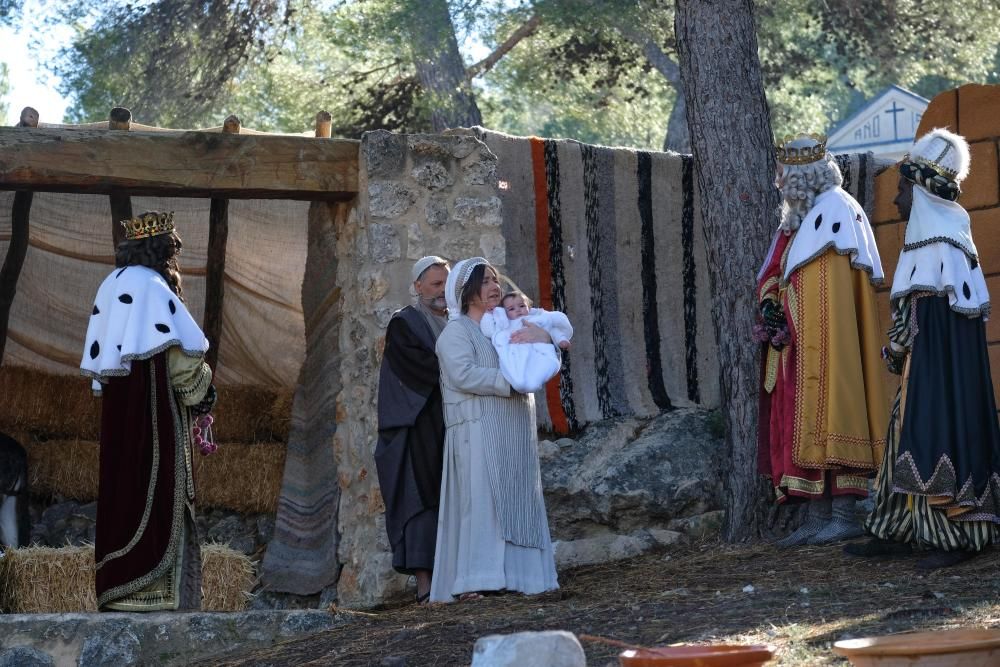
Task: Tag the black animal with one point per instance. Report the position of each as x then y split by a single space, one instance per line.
15 523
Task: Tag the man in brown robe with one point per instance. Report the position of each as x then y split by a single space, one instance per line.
410 446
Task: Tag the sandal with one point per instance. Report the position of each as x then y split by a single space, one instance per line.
470 596
424 600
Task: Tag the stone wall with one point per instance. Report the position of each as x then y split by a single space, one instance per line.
419 195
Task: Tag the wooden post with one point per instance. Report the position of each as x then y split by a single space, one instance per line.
18 248
324 125
120 118
215 271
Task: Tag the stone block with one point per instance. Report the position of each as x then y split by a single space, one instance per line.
474 211
886 186
977 111
384 242
389 200
432 175
941 112
430 146
554 648
25 656
980 189
481 172
606 548
986 234
889 239
384 153
464 145
414 241
436 211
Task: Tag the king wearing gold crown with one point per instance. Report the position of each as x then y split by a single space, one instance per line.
145 355
822 401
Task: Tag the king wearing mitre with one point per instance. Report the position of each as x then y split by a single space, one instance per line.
823 404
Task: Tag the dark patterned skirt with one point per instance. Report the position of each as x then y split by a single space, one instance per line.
949 443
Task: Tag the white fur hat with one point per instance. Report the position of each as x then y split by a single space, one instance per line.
946 151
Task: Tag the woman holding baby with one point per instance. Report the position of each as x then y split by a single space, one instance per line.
493 534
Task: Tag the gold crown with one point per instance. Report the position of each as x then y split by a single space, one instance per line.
809 148
148 224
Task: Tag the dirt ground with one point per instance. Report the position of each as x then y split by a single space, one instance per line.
799 601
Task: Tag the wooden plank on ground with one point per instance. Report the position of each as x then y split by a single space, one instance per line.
186 164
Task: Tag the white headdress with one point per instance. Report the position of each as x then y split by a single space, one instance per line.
457 277
946 151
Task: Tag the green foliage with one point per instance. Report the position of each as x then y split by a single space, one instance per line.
595 70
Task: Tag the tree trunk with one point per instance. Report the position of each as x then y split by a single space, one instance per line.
731 141
439 65
678 137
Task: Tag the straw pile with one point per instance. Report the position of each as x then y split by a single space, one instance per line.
62 407
38 580
239 477
41 580
245 478
227 577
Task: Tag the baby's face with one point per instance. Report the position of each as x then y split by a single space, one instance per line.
515 307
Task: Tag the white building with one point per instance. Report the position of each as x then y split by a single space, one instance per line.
886 126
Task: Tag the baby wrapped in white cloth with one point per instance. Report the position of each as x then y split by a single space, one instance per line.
526 366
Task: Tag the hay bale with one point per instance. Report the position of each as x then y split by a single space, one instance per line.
241 477
245 478
40 580
246 413
53 406
227 577
63 467
58 407
43 580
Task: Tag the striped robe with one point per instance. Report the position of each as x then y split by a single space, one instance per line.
492 530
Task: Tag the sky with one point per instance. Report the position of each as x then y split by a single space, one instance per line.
31 85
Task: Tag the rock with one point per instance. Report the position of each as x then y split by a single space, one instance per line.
601 549
473 211
665 538
414 241
436 211
383 152
25 656
481 172
464 145
115 644
626 475
389 200
432 175
547 449
706 524
384 242
554 648
430 146
232 531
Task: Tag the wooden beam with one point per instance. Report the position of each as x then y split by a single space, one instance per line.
324 125
215 269
120 118
18 247
186 164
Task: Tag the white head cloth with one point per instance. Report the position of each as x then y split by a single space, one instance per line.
425 263
945 149
457 277
835 221
939 256
136 316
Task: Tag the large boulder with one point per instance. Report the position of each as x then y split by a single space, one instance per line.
630 475
554 648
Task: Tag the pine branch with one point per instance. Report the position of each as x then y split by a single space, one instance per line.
526 29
